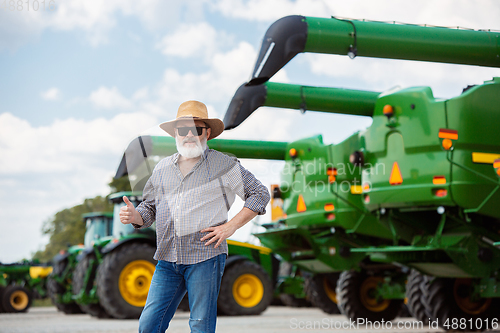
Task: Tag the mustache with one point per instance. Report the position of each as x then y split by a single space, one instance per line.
189 140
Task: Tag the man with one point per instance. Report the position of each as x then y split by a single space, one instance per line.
189 195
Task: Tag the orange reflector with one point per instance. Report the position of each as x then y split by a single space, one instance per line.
329 207
441 193
331 171
388 110
498 171
439 180
330 216
331 179
367 198
356 189
115 240
396 177
447 143
366 187
301 204
293 152
445 133
496 163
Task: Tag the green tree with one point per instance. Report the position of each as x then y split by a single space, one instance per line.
67 228
120 184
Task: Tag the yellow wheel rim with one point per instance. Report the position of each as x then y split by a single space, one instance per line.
134 282
465 302
329 290
248 290
19 300
367 295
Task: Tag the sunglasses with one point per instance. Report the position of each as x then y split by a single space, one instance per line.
197 131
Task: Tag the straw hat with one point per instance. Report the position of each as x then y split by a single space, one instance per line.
197 111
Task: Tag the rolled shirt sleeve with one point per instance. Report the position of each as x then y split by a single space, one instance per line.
256 194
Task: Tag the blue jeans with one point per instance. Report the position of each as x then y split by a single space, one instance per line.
169 285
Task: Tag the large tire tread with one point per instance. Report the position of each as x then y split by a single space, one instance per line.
226 303
440 303
350 305
317 294
54 290
414 296
108 274
95 310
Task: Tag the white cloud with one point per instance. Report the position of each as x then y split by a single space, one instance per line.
44 169
109 98
443 13
65 145
95 18
51 95
190 40
265 10
227 71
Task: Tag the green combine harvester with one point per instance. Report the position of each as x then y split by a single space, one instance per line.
421 186
20 283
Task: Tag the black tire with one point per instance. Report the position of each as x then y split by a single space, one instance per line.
1 296
16 299
94 309
355 302
320 289
55 290
414 297
253 290
131 262
448 300
287 269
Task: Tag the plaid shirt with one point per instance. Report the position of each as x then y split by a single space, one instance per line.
184 205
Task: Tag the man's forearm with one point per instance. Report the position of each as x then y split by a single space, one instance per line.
243 217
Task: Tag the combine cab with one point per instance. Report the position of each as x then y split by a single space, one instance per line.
427 190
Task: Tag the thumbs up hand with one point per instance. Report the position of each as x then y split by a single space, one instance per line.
128 214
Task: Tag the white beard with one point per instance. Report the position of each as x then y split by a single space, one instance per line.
191 152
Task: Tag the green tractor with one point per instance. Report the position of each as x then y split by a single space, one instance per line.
20 283
61 282
251 271
434 192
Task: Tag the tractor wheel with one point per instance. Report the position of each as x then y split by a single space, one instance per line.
355 295
246 289
55 290
16 298
414 297
1 296
449 301
123 280
286 269
94 309
320 289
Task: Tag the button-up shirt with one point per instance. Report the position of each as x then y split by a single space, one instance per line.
184 205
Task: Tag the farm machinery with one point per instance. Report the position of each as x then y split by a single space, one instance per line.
417 190
20 283
61 280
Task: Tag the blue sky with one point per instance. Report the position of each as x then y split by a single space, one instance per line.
78 83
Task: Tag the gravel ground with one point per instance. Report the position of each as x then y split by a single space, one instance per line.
274 319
